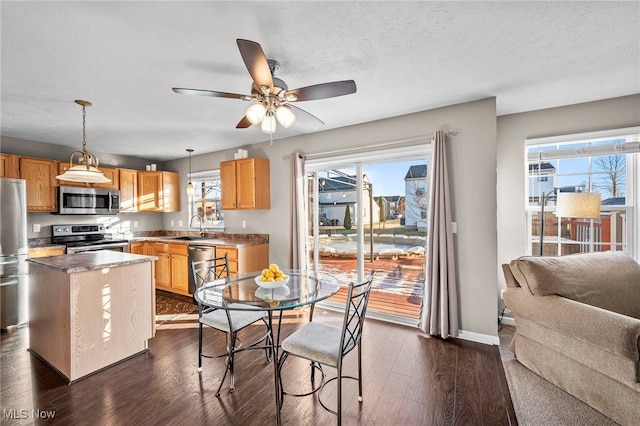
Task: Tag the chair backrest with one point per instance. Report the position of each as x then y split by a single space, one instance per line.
210 271
355 310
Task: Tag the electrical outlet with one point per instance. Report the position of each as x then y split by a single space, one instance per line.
180 223
135 223
244 223
36 227
173 223
454 227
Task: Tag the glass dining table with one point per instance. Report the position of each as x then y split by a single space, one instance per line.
302 288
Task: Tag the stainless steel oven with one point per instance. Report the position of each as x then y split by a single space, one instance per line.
82 238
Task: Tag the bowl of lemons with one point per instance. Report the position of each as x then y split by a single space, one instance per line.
272 277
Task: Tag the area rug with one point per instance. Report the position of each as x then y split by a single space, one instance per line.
171 309
538 402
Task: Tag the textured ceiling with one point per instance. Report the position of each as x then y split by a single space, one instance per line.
405 57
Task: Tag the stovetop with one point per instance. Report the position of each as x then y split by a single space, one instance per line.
82 235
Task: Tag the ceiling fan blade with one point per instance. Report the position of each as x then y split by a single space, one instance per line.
323 91
199 92
244 123
256 62
306 118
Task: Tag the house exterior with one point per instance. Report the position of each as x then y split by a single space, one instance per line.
540 180
416 197
337 193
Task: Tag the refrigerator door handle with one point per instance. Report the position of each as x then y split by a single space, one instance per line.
11 261
9 282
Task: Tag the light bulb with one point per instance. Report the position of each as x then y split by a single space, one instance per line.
285 116
269 122
255 113
191 191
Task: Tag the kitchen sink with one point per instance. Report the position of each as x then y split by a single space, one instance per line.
189 238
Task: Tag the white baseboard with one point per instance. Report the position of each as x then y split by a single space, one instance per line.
478 338
509 321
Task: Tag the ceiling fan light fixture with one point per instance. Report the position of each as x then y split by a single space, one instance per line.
285 116
87 169
269 122
255 113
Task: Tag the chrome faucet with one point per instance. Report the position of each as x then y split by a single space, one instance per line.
201 223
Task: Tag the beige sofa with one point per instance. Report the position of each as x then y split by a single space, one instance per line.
578 326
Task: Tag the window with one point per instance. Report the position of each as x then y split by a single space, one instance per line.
206 201
601 162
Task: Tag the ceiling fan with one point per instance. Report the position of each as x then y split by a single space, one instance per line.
271 96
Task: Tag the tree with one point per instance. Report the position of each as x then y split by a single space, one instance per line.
347 217
613 178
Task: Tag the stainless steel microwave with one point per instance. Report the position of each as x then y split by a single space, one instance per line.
76 200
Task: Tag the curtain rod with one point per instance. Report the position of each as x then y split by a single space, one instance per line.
398 142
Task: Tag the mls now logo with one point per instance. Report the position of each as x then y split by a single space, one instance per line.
15 414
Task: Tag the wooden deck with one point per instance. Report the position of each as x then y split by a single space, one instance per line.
386 303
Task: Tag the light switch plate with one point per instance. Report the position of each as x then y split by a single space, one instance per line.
36 227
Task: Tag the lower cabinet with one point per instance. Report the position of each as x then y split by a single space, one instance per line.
172 267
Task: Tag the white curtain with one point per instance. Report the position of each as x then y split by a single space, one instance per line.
299 226
439 312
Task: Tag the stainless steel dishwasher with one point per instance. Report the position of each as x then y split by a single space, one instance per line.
196 254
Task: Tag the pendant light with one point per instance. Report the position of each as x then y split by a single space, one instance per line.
191 191
87 169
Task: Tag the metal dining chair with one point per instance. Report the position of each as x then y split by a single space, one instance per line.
325 344
215 271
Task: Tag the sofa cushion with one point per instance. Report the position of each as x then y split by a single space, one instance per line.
608 280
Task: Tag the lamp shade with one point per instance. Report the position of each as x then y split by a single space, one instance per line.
285 116
255 113
82 173
585 205
269 123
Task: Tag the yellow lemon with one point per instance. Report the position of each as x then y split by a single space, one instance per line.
264 272
284 276
279 278
274 268
270 279
278 274
269 274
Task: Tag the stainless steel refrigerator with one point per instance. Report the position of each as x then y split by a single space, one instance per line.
13 252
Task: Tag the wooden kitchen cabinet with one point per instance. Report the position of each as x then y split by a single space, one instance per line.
109 172
245 259
172 267
245 184
40 175
46 251
128 190
158 191
9 166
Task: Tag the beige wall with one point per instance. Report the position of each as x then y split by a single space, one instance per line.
472 163
512 132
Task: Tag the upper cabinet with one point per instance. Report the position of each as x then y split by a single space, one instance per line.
41 183
9 167
158 191
128 190
109 172
245 184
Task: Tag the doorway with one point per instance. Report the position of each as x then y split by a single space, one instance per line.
371 214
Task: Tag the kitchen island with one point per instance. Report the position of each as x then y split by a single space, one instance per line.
90 310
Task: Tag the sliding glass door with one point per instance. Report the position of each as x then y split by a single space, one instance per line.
371 214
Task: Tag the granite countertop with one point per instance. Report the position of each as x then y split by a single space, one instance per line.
230 242
87 261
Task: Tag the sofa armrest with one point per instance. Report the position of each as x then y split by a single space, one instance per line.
609 331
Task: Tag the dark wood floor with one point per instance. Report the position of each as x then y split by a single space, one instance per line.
408 380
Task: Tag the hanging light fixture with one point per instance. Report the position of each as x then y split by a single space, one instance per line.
87 169
191 191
